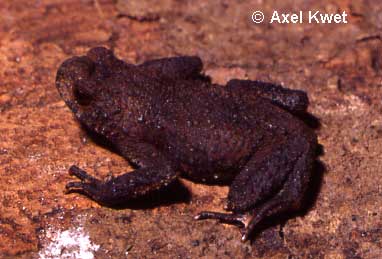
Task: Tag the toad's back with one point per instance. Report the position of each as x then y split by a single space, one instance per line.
206 129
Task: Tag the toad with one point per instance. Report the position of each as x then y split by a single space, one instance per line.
168 120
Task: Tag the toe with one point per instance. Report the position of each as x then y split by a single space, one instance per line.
72 185
81 174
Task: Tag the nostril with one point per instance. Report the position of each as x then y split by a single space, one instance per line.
83 91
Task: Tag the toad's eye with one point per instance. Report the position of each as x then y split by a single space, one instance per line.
84 91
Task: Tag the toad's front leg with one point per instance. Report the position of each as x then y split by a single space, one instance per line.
152 173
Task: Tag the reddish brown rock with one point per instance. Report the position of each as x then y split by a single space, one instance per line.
39 139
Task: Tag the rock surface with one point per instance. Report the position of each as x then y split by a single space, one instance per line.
339 65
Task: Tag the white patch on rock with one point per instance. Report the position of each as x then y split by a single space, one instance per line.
72 243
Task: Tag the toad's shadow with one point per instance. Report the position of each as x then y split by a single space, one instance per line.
174 193
309 119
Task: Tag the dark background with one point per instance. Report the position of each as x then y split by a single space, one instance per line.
338 65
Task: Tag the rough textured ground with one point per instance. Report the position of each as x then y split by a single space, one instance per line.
338 65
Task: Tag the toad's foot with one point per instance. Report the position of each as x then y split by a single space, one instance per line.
234 219
242 220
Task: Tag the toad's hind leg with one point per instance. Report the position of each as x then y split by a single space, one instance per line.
295 101
273 181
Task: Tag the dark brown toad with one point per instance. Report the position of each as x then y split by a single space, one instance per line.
167 119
